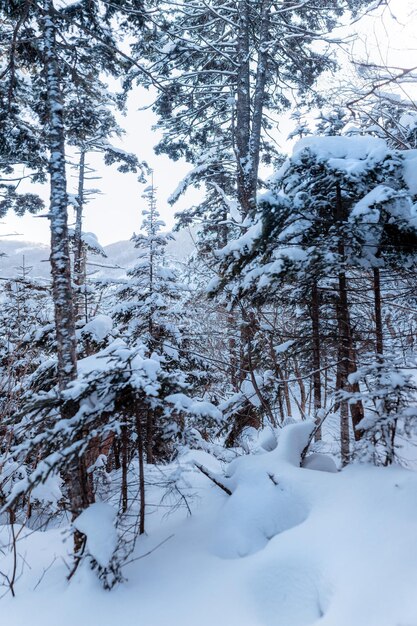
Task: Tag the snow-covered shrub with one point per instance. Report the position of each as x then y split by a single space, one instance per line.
389 394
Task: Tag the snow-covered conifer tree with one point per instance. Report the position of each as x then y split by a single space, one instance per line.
224 68
147 303
50 46
149 312
341 204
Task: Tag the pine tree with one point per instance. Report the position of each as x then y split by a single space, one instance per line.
25 311
223 69
333 212
149 312
146 303
51 48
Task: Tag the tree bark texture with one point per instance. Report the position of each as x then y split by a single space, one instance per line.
315 324
379 342
342 310
60 256
250 107
142 494
243 113
80 260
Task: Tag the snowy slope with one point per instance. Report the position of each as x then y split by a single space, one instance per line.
121 254
289 547
35 257
124 255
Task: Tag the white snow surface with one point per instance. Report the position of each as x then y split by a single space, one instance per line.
98 328
290 547
48 492
340 147
351 154
342 151
97 524
410 168
181 402
366 209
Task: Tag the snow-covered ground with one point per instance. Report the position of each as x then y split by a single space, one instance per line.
290 547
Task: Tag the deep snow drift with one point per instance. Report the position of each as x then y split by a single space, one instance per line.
290 547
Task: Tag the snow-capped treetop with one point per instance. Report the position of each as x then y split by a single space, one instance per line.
356 189
146 306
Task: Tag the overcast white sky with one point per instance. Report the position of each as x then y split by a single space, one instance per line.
116 213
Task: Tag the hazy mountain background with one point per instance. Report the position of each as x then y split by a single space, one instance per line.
120 256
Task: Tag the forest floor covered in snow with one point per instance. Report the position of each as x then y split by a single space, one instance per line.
290 546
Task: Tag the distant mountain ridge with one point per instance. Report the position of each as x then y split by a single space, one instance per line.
33 258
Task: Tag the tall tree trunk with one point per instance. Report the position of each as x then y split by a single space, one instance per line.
379 343
301 385
79 250
242 131
259 96
283 376
326 383
356 408
278 375
249 118
342 385
315 323
124 446
347 360
60 257
233 358
343 335
149 436
142 494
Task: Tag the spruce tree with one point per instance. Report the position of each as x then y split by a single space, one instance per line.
338 201
224 70
51 47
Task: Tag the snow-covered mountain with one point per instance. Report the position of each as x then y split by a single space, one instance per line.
33 257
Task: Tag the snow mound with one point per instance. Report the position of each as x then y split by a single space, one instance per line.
267 439
263 509
97 523
262 501
292 442
320 463
98 328
341 148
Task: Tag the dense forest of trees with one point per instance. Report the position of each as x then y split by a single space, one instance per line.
299 302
